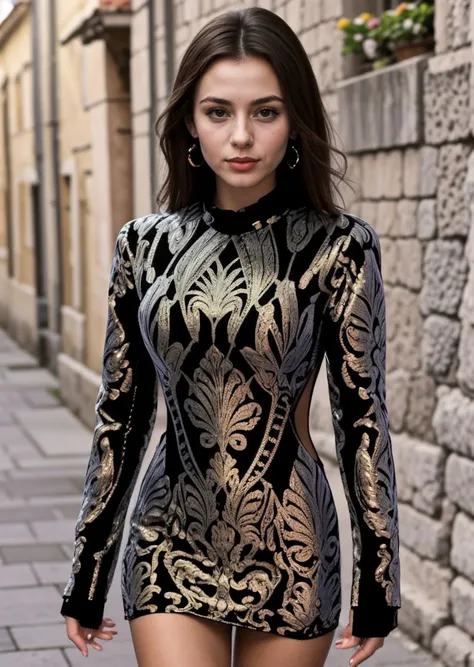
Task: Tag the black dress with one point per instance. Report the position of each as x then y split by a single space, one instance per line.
235 520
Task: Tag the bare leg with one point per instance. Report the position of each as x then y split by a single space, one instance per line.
180 640
254 648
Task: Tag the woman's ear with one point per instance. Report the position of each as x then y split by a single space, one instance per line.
191 127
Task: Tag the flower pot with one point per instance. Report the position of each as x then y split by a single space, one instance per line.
405 50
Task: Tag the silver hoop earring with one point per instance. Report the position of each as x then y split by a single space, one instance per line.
190 160
292 166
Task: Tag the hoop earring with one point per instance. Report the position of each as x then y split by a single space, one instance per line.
292 166
190 160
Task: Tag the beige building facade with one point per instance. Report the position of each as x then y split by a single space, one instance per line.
408 132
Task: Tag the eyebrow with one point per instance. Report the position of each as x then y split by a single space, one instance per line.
260 100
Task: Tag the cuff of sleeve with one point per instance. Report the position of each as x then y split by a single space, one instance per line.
373 622
89 613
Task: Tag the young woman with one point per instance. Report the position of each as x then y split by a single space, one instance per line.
232 295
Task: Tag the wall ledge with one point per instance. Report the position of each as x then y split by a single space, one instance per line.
383 109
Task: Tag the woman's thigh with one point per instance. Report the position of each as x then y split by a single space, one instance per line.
180 640
254 648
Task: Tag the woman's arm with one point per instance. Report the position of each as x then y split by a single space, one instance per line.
125 414
355 341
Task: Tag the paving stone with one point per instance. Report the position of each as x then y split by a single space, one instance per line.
17 358
54 572
46 658
53 531
37 487
74 499
73 473
36 552
41 398
41 636
25 513
31 377
56 431
13 435
6 641
115 654
15 533
55 462
68 511
24 606
15 575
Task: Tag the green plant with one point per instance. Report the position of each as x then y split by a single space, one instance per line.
409 22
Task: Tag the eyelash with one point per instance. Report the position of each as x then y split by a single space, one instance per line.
274 112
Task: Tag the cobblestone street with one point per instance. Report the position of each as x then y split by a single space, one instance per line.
43 455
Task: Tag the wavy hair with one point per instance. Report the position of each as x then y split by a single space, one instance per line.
239 34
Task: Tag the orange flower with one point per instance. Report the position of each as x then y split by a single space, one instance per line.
401 8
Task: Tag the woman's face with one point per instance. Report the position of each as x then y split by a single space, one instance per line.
233 124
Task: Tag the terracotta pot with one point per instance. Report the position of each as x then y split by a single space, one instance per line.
405 50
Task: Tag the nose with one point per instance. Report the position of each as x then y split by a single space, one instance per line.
241 134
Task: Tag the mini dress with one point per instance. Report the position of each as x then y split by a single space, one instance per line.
233 312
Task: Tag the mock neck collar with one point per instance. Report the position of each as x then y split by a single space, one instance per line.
267 210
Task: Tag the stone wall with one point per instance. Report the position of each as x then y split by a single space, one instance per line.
408 131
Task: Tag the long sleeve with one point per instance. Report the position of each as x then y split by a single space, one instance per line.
355 345
125 414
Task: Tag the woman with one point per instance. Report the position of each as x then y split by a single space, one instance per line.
232 297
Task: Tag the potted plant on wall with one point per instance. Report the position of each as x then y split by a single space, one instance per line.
360 39
396 35
408 29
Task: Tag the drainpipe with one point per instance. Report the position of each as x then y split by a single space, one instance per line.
153 106
55 160
8 177
39 235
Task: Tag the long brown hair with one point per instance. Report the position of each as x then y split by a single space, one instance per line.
238 34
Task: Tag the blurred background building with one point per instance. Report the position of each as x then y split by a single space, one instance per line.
81 84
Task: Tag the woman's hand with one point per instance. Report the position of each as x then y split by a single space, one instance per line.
78 635
368 645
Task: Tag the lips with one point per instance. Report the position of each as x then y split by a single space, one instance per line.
243 159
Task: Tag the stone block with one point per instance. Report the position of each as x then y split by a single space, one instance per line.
459 482
453 646
421 467
465 374
406 218
453 213
446 103
440 345
386 217
445 270
426 536
419 616
462 545
398 385
293 15
409 266
411 172
429 171
427 219
462 603
421 405
395 115
453 421
404 329
40 636
390 260
428 577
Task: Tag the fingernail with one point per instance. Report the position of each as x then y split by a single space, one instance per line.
351 661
